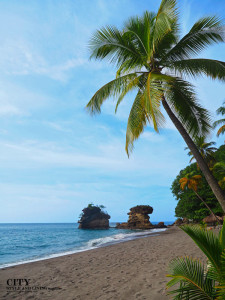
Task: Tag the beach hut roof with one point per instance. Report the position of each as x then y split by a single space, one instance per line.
211 219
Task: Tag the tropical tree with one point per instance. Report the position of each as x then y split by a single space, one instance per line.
196 281
219 171
188 204
220 111
206 149
192 182
151 59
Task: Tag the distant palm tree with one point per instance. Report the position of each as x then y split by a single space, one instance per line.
219 171
206 149
220 111
151 58
196 281
192 182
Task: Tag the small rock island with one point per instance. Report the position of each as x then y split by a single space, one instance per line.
138 218
93 217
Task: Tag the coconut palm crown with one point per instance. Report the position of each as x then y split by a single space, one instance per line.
205 148
152 59
220 111
190 181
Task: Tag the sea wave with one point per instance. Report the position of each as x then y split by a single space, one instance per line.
122 237
92 244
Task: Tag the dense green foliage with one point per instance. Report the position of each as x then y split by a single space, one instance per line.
189 206
197 281
92 206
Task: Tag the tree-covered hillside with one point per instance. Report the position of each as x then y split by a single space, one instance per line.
189 205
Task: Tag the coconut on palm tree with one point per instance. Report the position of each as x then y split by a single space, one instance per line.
192 182
152 59
220 111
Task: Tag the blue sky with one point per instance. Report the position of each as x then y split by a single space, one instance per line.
54 157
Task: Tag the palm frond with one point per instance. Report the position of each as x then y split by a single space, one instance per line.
153 95
111 43
206 31
208 242
184 179
138 29
218 122
145 109
165 30
193 279
221 130
214 69
182 100
137 120
163 46
133 84
222 237
112 88
165 22
147 106
221 286
221 110
197 177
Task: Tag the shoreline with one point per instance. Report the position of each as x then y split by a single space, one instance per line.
139 234
133 269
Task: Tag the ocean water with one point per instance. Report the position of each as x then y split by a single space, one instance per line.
22 243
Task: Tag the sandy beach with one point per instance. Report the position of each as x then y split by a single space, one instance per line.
131 270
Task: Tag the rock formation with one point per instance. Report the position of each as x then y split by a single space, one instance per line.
160 225
94 218
138 218
180 222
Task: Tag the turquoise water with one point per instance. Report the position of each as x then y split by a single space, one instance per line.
20 243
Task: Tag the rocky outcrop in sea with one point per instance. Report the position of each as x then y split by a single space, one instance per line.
138 218
93 218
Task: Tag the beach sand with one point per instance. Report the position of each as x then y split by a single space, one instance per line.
131 270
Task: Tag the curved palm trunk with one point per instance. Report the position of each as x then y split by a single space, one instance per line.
201 162
219 222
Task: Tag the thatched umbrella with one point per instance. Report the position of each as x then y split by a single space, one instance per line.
212 220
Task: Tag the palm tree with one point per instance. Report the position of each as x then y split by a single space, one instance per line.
196 281
220 111
206 149
151 59
192 182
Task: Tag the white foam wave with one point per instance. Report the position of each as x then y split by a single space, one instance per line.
95 243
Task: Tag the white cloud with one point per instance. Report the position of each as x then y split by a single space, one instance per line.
107 158
57 126
9 110
152 137
18 57
16 100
